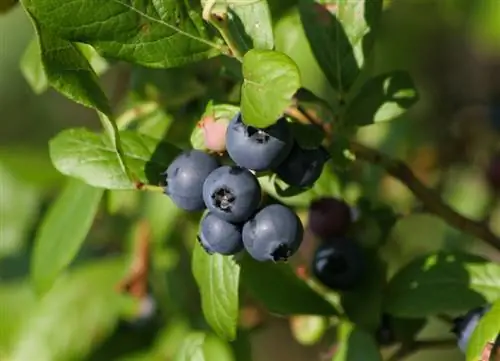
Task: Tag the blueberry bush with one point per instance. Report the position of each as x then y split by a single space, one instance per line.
234 178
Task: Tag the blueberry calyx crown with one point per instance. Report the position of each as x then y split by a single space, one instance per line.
223 199
281 253
259 135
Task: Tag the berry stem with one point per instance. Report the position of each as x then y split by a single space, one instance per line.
429 197
407 350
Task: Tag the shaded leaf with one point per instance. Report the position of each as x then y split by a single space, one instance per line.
341 36
280 290
157 33
486 331
199 346
91 158
382 98
353 344
62 232
442 282
83 307
32 68
218 279
271 79
6 5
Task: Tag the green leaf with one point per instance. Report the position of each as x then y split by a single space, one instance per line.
220 112
280 290
83 307
353 344
91 158
486 331
271 79
68 71
158 34
442 282
218 279
32 68
19 202
340 36
199 346
6 5
62 232
327 185
382 98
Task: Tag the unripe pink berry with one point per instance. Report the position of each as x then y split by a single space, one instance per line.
214 133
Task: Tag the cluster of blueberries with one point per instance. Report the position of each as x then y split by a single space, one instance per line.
236 220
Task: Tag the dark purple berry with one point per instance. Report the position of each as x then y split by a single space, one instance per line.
329 217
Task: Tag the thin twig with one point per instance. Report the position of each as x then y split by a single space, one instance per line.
431 199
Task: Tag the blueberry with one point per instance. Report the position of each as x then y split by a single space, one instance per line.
258 149
232 193
302 167
329 217
273 234
219 236
465 325
185 177
339 264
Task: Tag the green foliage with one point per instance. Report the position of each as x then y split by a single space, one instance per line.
83 241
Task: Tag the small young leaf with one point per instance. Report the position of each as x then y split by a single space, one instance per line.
199 346
381 99
68 71
89 290
158 34
32 68
340 36
218 278
271 79
63 231
486 331
353 344
442 282
280 290
91 158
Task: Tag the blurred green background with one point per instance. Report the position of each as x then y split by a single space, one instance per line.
447 139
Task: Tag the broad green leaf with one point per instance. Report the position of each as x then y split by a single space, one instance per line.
382 98
19 202
280 290
199 346
91 158
218 279
442 282
68 71
220 113
339 34
158 34
353 344
327 185
6 5
486 331
32 68
271 79
79 312
62 232
18 300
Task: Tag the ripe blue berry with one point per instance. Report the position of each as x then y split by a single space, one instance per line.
219 236
185 177
465 325
273 234
329 217
302 167
258 149
232 193
339 264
